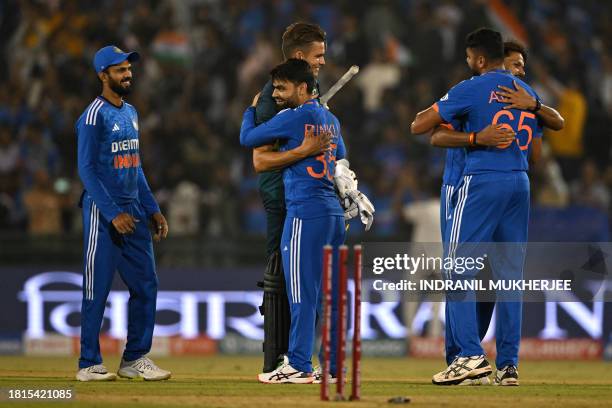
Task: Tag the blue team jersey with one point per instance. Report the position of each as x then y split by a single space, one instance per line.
454 166
475 104
455 160
309 186
109 158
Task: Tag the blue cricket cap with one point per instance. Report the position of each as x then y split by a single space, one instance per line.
112 55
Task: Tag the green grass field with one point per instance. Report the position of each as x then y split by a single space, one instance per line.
229 381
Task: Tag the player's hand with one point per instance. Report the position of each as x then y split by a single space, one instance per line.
495 135
160 226
255 99
366 208
125 223
518 98
313 145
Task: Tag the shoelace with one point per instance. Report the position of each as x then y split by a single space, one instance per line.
97 369
450 366
145 363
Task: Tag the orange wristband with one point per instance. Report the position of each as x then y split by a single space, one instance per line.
472 139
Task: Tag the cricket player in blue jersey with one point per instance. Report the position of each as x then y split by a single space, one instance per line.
305 41
491 203
450 137
314 215
117 204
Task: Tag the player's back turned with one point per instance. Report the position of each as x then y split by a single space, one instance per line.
309 186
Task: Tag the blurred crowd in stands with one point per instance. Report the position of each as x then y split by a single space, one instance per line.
203 60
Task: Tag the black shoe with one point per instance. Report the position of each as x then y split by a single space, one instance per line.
507 376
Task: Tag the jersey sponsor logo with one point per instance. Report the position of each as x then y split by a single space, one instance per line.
130 144
126 161
116 128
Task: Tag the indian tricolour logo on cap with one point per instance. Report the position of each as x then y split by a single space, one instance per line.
117 50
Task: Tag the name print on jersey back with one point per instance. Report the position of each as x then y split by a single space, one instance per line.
476 104
326 158
309 187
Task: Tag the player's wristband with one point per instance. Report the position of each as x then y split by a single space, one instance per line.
538 106
472 139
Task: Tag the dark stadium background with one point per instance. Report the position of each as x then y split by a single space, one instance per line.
202 63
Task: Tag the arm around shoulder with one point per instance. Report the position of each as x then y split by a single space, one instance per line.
425 121
551 118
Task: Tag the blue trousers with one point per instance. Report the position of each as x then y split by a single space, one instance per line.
302 252
488 208
484 310
105 251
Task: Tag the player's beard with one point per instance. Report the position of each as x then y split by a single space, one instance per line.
120 89
293 101
280 103
287 103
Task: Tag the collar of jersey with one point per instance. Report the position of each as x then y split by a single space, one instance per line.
314 101
500 71
112 104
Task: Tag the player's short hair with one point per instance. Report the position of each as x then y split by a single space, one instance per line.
511 46
296 71
299 36
488 42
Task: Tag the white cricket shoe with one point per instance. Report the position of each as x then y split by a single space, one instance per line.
462 368
475 381
144 368
317 374
95 373
508 375
285 374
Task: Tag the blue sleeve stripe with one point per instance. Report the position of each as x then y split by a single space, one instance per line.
92 112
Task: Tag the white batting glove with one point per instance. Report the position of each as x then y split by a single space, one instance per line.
351 210
366 209
344 178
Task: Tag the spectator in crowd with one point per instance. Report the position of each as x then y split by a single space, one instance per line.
43 206
590 190
200 69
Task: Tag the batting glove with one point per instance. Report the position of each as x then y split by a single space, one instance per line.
365 207
344 178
